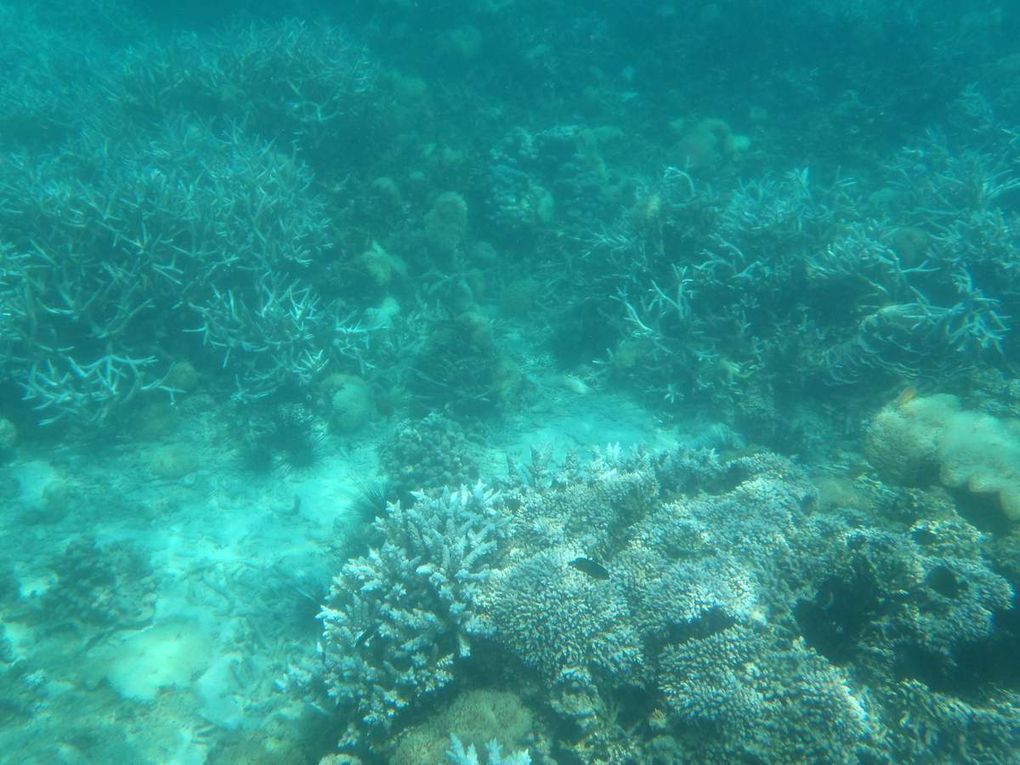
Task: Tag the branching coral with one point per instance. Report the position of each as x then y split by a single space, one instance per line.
184 239
399 619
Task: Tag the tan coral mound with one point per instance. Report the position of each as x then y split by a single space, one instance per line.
933 438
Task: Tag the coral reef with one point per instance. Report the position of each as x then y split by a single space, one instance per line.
308 81
350 401
189 237
749 691
228 173
145 267
252 229
678 602
56 59
566 627
703 281
462 368
915 599
446 226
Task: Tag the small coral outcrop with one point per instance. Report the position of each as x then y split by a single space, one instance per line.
933 439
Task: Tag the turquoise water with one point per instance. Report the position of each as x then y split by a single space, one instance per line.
503 381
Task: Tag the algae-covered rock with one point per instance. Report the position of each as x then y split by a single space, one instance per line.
933 439
446 224
351 404
173 461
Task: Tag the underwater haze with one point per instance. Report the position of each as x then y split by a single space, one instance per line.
495 382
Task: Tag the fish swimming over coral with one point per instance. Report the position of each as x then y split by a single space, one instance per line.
590 567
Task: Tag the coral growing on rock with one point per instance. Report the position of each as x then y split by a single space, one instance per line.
678 602
932 438
102 586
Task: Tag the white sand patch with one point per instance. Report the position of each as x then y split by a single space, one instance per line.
166 655
33 477
20 638
35 584
221 693
579 424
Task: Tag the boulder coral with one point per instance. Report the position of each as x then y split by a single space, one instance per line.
924 440
446 225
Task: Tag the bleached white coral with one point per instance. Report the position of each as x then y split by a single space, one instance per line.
457 754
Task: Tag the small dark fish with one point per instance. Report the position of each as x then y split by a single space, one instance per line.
590 567
365 637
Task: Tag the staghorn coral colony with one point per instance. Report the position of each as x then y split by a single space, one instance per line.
498 381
